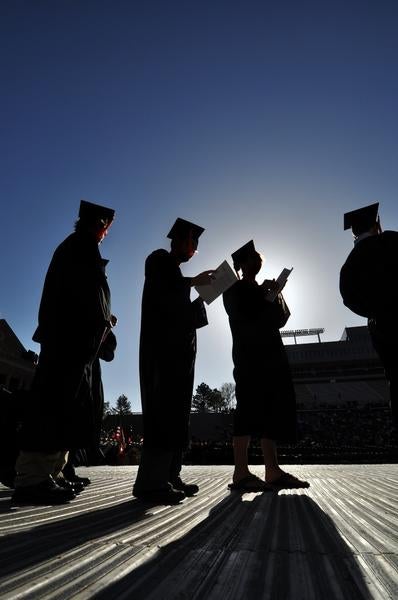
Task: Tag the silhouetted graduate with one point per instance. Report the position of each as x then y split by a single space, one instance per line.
265 397
167 358
368 286
91 453
66 396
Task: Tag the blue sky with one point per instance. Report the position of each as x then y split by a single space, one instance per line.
253 119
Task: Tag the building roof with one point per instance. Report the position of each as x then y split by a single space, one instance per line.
10 345
355 345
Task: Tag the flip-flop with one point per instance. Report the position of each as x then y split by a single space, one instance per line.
288 482
251 483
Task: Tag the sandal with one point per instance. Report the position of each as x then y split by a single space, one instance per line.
288 482
251 483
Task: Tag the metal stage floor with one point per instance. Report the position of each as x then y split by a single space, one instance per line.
336 540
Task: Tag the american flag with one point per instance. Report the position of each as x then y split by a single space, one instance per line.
118 436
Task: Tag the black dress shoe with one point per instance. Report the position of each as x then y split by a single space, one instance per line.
160 496
7 479
189 489
7 476
44 493
75 486
76 479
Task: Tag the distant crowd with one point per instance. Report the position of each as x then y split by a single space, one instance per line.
337 433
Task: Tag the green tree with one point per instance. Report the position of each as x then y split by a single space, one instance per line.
208 400
215 401
123 406
199 400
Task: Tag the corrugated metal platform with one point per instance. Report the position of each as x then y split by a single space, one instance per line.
336 540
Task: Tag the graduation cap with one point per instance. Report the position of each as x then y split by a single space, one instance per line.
362 219
185 229
91 212
243 254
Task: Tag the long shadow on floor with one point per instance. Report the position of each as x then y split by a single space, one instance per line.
267 546
26 549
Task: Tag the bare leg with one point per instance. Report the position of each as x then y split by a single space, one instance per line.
240 445
272 468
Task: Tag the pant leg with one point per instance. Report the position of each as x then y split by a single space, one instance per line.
69 469
394 398
35 467
176 465
384 342
59 464
154 469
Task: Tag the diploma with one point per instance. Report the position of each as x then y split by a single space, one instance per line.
222 279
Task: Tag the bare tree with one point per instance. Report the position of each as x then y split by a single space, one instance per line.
228 393
107 410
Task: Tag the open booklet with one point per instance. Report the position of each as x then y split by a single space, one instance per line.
281 282
223 278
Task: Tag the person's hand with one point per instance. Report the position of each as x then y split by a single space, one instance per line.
270 284
204 278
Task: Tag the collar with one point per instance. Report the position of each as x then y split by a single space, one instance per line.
363 236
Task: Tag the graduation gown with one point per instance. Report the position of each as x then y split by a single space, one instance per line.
66 394
368 278
264 389
167 352
369 287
